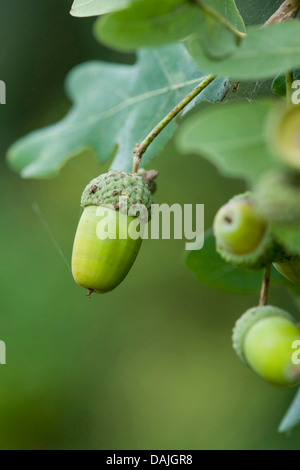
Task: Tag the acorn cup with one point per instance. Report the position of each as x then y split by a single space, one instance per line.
105 247
242 237
264 338
277 197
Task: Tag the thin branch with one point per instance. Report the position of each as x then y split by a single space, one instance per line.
141 149
215 14
263 299
287 11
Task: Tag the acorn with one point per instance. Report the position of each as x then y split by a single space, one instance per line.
284 134
277 197
263 338
104 247
242 237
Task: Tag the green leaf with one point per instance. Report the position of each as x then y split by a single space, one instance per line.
115 106
97 7
148 24
292 417
265 52
232 137
211 270
279 83
154 23
219 42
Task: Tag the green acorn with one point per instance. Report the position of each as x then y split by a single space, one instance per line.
277 197
104 248
242 236
263 338
284 134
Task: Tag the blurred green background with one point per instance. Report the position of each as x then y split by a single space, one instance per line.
149 366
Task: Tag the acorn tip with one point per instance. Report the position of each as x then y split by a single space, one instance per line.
90 292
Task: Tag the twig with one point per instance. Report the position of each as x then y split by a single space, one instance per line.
287 11
141 149
263 299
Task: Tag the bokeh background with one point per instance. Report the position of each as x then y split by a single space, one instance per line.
149 366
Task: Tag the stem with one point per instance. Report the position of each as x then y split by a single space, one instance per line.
263 299
212 12
287 11
90 292
141 149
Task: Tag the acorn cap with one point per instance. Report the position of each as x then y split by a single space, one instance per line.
109 188
277 197
249 319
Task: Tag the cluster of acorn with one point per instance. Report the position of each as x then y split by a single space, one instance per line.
264 336
246 231
245 237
